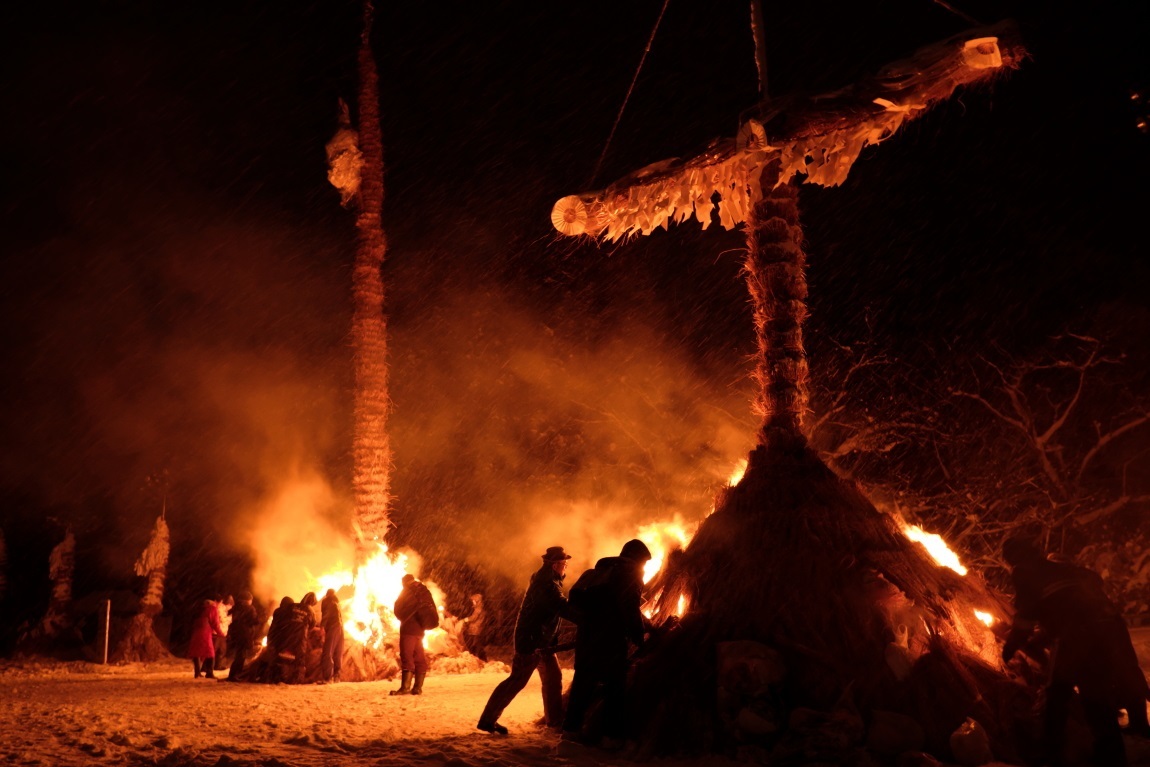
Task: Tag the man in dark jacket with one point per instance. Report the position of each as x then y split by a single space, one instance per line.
608 599
415 608
331 621
535 626
287 631
1093 651
242 634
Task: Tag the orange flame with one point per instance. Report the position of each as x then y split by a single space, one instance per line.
737 474
368 616
936 547
944 556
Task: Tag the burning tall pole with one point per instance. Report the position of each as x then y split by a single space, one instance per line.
356 168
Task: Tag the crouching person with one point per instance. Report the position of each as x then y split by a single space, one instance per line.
535 625
415 608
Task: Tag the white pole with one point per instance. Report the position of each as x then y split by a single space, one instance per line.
107 626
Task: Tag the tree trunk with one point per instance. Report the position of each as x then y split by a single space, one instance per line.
371 450
775 269
140 643
61 568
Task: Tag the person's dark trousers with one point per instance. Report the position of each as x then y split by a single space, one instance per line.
237 666
614 709
583 692
607 679
1109 749
332 653
412 656
523 665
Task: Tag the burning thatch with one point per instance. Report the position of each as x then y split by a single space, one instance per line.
839 603
818 137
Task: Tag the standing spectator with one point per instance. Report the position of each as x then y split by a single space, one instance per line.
415 608
308 607
242 634
205 628
221 640
332 623
475 629
609 600
535 626
287 631
1093 654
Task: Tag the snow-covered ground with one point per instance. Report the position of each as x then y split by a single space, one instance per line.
157 714
82 714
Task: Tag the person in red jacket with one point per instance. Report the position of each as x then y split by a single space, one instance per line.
415 608
205 629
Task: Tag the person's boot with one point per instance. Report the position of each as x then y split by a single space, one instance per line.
208 662
417 688
196 667
495 728
404 685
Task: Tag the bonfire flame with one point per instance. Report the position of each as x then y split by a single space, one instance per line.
368 618
944 556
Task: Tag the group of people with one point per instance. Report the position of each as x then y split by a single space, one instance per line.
1092 655
223 627
605 606
298 627
226 633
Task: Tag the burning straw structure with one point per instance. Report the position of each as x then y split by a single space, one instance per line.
814 627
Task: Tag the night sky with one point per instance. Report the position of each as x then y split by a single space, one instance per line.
176 268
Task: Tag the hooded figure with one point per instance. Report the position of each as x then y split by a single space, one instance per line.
535 626
1092 652
288 629
205 629
415 608
608 599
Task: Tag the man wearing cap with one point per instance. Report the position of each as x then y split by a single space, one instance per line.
535 626
609 600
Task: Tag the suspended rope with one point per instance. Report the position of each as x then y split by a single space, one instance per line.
757 29
618 117
964 16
